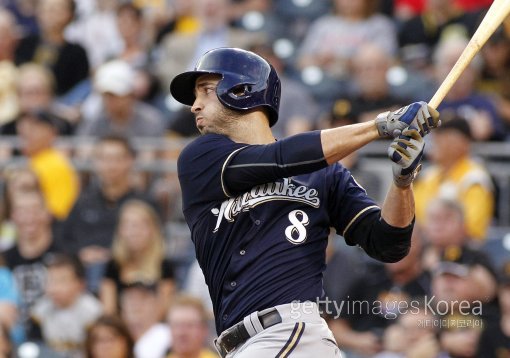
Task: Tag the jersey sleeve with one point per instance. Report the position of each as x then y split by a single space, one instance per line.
260 164
348 201
200 166
213 167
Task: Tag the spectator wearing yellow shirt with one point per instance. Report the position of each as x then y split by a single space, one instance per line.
455 175
58 179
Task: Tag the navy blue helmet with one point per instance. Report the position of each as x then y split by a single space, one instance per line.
248 81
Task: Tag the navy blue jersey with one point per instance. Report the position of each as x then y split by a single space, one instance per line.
264 246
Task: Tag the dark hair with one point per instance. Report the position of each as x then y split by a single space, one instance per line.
129 7
119 139
116 324
53 260
456 123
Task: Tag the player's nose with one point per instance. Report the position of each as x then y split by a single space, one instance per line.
197 106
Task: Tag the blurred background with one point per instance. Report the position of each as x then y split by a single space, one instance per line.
95 256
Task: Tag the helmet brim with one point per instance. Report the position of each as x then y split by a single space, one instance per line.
182 86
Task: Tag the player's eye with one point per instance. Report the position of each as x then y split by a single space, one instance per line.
209 90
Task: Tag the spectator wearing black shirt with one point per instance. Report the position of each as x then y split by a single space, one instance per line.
137 256
35 239
420 34
68 61
89 229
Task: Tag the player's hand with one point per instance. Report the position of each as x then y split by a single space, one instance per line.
406 152
418 114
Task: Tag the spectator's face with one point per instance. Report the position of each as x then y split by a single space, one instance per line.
34 91
448 147
495 54
21 181
113 163
211 13
370 67
443 226
351 8
416 326
107 343
135 227
54 15
464 86
189 331
34 135
62 286
29 215
129 25
139 308
453 289
118 107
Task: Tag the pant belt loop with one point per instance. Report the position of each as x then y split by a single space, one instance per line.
253 325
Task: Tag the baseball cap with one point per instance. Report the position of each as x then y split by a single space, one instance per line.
116 77
455 123
458 260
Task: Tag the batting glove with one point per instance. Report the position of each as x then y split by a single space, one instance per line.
418 114
406 152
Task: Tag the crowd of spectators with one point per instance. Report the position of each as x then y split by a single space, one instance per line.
95 257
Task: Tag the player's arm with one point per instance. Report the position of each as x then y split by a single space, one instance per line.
386 235
311 151
340 142
406 152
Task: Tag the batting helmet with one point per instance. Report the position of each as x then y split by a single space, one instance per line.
248 81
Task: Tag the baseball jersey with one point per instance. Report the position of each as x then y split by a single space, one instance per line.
264 246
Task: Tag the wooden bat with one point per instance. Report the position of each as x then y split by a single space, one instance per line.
496 14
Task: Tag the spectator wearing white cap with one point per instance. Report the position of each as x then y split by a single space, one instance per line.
120 112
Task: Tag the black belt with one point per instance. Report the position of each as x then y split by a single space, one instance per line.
236 335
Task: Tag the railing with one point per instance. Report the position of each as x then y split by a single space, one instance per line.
495 156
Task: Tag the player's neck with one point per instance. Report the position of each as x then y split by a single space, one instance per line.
252 129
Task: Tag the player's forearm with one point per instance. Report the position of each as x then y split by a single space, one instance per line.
339 142
398 207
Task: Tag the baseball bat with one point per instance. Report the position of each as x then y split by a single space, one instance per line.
496 14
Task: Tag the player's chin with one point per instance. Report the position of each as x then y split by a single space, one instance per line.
201 129
208 130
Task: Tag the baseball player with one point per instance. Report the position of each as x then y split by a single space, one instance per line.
260 210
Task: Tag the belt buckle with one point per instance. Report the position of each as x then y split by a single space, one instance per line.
220 346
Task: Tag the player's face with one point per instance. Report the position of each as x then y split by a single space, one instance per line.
210 115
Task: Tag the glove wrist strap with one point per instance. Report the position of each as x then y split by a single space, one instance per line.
381 122
404 181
